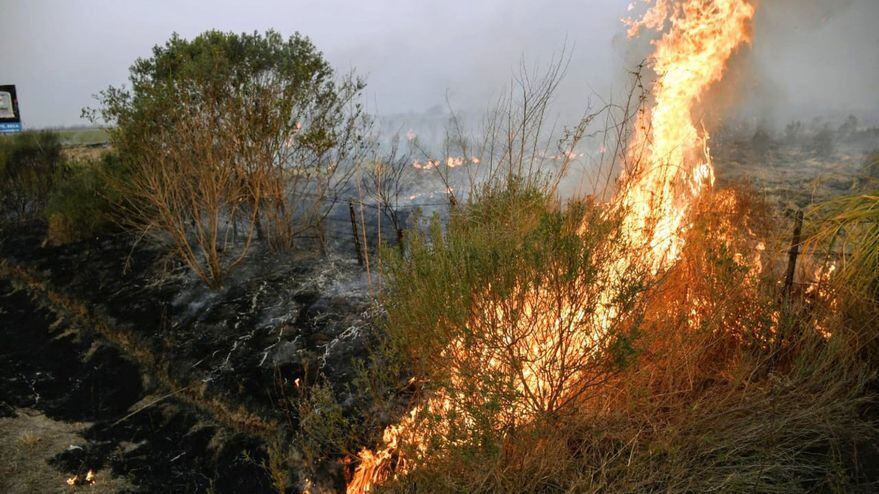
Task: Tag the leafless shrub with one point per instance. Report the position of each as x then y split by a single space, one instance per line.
387 180
304 156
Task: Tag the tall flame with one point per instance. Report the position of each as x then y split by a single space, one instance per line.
668 165
669 159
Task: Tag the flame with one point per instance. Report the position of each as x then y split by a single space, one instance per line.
668 166
669 158
819 289
450 162
88 479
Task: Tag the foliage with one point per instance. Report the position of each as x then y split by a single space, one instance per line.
505 261
849 225
228 133
30 164
81 204
469 306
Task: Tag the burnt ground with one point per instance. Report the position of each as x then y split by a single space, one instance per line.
178 388
65 404
793 173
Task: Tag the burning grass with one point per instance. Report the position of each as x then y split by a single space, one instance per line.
707 378
643 344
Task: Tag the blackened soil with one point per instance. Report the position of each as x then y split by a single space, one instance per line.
158 445
274 321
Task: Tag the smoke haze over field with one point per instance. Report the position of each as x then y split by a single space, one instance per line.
810 57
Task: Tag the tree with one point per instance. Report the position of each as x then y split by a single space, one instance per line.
233 133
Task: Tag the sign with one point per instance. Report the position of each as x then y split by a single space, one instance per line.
10 118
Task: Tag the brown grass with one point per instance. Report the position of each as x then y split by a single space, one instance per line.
725 384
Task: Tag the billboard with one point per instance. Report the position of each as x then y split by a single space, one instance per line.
10 118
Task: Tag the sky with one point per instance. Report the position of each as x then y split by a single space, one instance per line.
808 57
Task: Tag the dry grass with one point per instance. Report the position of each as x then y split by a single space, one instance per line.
847 228
722 385
28 441
708 376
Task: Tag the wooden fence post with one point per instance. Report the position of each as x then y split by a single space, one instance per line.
793 253
354 231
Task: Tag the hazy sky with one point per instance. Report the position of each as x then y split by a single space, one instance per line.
809 56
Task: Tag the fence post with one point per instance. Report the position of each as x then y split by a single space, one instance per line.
354 231
793 253
400 241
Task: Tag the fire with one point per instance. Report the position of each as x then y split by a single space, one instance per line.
668 166
451 162
818 289
670 161
88 479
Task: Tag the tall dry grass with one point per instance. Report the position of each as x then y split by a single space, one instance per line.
708 377
722 385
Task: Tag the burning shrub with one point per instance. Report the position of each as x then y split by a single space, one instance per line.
505 318
513 279
705 378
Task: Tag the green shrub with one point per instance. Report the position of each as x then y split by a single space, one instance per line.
509 265
30 164
232 138
502 317
81 204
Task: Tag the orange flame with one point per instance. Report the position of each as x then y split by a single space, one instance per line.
88 479
668 166
670 162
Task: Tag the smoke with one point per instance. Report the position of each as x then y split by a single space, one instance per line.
807 14
808 59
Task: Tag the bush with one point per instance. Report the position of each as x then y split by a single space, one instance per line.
823 142
30 164
227 134
504 318
81 204
513 280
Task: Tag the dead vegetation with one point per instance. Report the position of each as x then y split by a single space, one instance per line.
28 441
